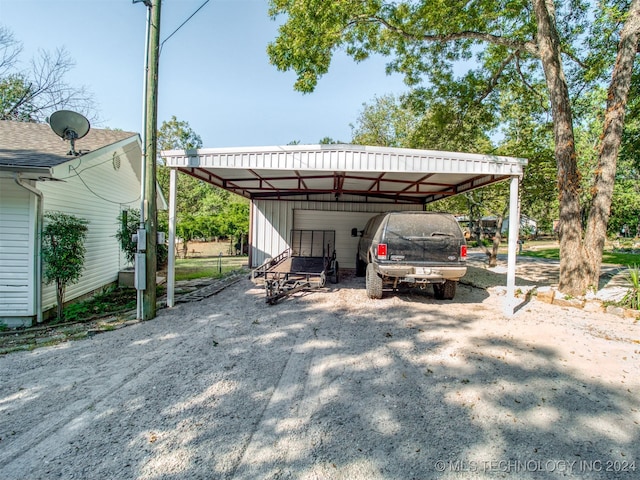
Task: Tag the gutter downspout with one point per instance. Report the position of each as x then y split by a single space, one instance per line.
38 246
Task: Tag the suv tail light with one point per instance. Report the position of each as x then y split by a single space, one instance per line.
382 251
463 252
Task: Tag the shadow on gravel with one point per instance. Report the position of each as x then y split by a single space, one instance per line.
314 387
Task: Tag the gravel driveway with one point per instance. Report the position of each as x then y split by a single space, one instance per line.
331 385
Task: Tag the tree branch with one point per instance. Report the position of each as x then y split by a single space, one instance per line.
529 47
529 86
496 76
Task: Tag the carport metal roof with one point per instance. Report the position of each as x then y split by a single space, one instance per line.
363 173
349 173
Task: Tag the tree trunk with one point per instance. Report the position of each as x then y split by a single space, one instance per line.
574 268
602 192
60 288
497 240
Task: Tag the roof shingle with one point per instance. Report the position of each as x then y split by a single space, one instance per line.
36 145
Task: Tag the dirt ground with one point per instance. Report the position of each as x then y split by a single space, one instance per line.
332 385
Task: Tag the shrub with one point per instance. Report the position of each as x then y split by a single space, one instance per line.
129 221
63 252
632 298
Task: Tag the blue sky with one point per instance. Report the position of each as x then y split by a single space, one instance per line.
214 72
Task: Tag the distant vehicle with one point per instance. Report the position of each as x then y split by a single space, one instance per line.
412 248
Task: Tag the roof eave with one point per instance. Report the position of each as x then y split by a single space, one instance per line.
28 173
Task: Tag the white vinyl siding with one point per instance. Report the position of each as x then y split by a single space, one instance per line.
17 242
95 191
272 222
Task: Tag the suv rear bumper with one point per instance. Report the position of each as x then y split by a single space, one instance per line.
408 273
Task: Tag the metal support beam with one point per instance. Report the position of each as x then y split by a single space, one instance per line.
171 267
514 231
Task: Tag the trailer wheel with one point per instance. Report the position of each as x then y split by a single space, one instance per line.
374 283
335 276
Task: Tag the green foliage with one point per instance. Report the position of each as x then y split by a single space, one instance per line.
625 209
129 222
219 267
13 88
632 298
608 256
63 251
63 247
424 40
177 134
202 210
631 136
384 123
109 302
329 141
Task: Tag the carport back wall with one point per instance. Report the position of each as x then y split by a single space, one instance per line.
272 222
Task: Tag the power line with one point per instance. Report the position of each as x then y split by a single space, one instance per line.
183 24
96 194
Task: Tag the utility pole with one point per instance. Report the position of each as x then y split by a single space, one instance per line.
151 136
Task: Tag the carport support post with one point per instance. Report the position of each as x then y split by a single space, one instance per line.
514 228
171 266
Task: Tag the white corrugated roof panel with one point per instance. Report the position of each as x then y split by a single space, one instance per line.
396 174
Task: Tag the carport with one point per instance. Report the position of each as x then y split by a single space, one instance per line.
291 184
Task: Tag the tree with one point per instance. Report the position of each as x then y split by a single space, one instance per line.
201 208
63 252
10 50
384 123
196 197
416 123
329 141
235 220
33 94
532 43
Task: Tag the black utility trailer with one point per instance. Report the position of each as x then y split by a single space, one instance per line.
305 265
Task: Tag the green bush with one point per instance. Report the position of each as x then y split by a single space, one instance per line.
129 221
63 252
632 298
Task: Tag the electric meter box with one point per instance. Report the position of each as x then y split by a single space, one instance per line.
140 274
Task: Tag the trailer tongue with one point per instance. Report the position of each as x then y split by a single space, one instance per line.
305 265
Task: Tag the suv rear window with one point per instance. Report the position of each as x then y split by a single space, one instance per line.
412 225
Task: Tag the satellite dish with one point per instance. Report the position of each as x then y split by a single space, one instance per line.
70 126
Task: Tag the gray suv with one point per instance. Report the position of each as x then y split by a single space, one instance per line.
412 248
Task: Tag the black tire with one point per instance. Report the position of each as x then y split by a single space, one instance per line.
374 283
446 290
335 277
361 267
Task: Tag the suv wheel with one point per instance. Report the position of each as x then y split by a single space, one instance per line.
360 267
374 283
445 291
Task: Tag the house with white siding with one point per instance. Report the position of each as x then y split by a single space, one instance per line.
39 174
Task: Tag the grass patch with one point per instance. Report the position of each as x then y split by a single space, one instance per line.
614 258
207 267
113 300
116 300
